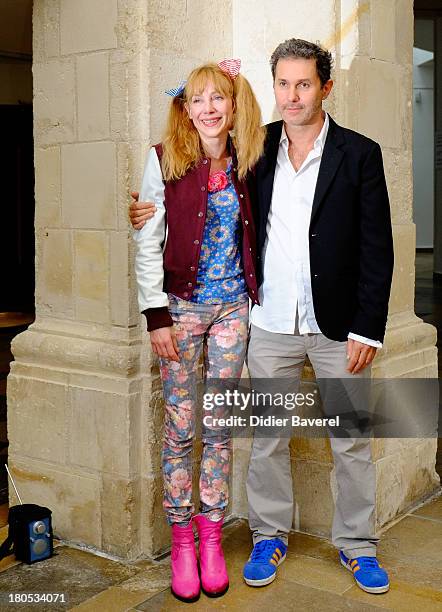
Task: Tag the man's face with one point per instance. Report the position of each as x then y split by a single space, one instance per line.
298 91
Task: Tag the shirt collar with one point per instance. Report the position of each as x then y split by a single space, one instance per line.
320 139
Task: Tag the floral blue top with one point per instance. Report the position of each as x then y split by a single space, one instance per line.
220 272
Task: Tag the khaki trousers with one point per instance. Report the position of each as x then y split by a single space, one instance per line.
269 481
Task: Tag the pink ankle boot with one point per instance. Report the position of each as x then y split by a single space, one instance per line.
185 580
214 578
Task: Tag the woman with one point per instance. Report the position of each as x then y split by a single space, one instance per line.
195 294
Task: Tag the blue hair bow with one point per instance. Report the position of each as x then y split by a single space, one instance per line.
176 91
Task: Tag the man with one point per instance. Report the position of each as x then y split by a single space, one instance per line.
324 234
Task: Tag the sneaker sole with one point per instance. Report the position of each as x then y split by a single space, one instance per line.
374 590
263 581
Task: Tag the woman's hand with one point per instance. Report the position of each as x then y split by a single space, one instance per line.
164 343
140 212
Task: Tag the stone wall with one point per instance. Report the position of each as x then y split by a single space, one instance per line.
84 408
84 396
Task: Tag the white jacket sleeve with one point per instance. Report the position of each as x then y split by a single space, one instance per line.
150 239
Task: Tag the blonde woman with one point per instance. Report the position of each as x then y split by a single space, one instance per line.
193 288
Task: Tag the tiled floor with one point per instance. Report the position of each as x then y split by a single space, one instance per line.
311 577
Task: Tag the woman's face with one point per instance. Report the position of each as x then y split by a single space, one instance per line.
211 113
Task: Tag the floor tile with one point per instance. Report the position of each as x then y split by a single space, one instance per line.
135 590
411 553
279 595
414 540
78 574
114 599
315 573
432 510
413 573
401 596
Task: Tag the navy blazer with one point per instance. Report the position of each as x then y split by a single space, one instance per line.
350 236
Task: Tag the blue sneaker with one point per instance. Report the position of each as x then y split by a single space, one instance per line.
369 575
266 555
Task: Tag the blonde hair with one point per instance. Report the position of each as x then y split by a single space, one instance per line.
182 147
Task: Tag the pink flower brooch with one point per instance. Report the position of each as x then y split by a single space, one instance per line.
217 181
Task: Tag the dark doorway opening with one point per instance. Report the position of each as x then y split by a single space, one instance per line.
17 239
17 180
17 250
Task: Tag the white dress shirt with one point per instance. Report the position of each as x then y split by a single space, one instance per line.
286 289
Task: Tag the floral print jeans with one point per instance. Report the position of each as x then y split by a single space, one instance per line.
219 331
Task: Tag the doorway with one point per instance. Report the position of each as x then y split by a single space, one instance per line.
17 179
427 168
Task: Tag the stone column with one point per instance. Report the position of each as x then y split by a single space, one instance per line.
372 47
84 398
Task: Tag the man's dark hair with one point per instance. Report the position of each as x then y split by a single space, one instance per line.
296 48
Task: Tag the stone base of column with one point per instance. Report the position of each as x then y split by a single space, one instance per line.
76 426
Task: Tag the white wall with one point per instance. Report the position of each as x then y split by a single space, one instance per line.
423 146
423 132
258 27
438 171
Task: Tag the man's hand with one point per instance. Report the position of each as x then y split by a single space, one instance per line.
164 343
140 212
359 355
